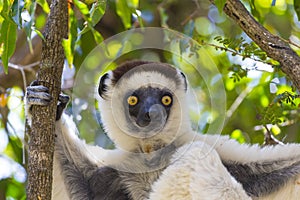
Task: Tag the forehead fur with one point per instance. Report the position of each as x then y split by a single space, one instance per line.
124 68
144 73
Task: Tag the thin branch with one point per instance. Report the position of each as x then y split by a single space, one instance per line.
22 69
30 66
292 43
191 16
237 102
162 4
197 3
269 138
274 46
24 79
14 132
236 53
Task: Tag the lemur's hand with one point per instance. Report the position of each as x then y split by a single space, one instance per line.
39 95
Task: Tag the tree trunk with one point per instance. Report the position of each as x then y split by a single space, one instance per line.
274 46
41 132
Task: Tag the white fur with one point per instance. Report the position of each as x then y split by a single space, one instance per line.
198 173
231 150
59 190
197 170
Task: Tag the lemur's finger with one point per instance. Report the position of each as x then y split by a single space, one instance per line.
37 101
37 88
40 95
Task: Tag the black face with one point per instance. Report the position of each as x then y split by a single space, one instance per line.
149 107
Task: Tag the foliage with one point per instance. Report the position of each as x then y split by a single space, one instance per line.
259 95
241 47
297 8
238 72
220 5
8 33
275 112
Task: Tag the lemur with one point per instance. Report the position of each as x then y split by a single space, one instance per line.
144 111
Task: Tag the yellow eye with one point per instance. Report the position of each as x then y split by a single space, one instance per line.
166 100
132 100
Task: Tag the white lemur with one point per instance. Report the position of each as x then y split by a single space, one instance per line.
144 112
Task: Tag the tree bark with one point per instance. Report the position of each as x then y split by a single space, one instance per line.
41 132
274 46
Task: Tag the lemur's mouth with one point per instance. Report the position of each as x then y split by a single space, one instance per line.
151 146
147 148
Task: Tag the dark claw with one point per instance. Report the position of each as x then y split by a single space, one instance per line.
34 83
63 101
62 98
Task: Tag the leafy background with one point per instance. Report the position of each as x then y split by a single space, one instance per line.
260 98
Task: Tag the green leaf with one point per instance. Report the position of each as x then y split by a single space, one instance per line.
15 190
83 8
29 26
44 5
220 5
97 36
39 34
40 21
97 11
8 35
163 16
66 43
297 8
133 3
124 12
8 39
255 12
84 30
16 11
5 10
69 44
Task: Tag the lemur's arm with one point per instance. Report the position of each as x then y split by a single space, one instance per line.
225 169
268 171
84 176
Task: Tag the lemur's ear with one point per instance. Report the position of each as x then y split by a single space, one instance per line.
184 79
102 89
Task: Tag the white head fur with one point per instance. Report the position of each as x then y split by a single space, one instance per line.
131 76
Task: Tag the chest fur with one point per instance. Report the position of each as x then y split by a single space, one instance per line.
138 185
